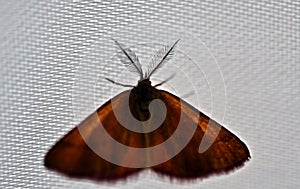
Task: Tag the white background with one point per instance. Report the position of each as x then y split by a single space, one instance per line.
52 50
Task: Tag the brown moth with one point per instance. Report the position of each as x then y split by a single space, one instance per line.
76 154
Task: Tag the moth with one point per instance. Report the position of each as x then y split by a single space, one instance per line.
164 137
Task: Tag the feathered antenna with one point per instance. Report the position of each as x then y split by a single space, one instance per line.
162 56
130 59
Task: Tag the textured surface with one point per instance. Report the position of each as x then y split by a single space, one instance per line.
55 56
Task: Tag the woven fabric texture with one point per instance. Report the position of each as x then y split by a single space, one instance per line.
55 56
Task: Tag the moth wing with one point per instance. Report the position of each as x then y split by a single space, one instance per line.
226 152
73 157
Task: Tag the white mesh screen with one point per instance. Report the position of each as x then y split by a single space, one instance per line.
54 53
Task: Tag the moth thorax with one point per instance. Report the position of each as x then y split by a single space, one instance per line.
140 98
